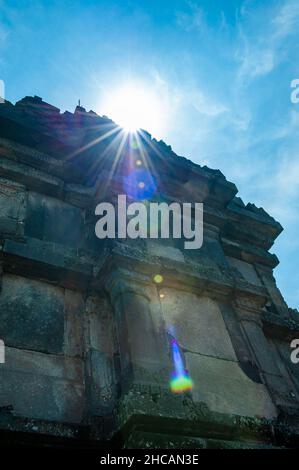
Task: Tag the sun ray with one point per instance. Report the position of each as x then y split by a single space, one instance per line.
95 141
115 161
146 159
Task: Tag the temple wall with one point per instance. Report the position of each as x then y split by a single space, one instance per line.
198 325
87 328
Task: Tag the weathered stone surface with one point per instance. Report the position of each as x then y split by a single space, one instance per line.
274 293
142 352
261 347
54 221
217 444
14 151
51 365
100 326
102 383
196 323
12 199
41 397
236 333
86 327
288 369
31 177
74 321
247 270
165 251
251 224
150 440
49 261
224 387
31 314
100 357
42 386
12 208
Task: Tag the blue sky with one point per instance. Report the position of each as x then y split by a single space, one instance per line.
222 70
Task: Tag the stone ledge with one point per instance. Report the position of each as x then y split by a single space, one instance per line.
248 253
27 155
190 277
31 177
48 261
280 327
38 363
163 411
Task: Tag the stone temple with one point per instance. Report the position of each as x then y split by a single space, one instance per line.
88 332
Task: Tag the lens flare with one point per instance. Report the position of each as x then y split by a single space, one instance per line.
158 279
140 184
180 382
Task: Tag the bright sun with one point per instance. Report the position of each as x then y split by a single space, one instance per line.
134 107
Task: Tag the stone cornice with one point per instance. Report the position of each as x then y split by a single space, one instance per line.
251 225
190 277
180 179
284 328
48 261
249 253
64 265
36 171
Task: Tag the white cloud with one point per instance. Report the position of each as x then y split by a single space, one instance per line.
256 62
260 52
192 19
4 32
204 105
287 20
